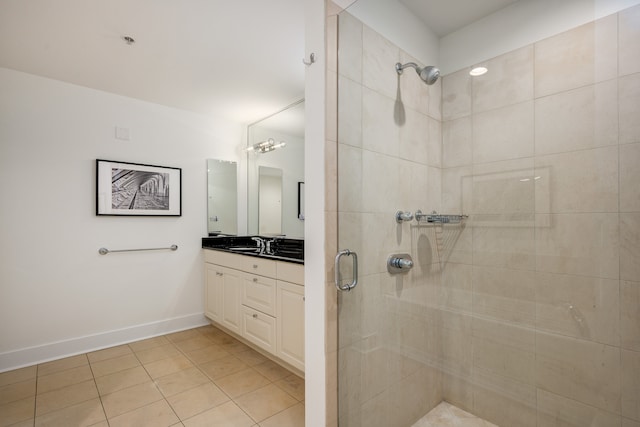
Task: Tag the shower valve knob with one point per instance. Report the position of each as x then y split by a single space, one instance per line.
399 263
403 216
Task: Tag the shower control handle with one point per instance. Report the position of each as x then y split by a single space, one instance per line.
399 263
403 216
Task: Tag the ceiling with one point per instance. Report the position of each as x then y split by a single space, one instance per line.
236 59
446 16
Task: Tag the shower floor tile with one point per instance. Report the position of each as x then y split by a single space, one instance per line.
447 415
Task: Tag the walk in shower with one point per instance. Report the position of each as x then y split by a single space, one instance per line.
525 309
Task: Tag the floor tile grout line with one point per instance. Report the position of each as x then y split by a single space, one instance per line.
203 332
95 383
214 383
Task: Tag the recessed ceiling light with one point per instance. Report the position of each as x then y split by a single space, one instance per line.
478 71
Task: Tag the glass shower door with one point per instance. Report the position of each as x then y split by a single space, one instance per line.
388 143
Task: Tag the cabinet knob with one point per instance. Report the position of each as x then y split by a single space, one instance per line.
218 273
255 279
255 265
255 316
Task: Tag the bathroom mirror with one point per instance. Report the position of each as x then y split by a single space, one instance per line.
275 157
269 201
222 197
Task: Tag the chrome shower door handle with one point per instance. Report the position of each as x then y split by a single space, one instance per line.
347 286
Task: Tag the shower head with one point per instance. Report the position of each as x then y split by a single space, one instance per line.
428 74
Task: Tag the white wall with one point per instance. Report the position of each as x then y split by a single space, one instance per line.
57 294
314 223
520 24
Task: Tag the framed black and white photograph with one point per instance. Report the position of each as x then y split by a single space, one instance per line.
137 189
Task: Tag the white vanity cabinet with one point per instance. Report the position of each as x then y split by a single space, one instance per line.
261 300
222 292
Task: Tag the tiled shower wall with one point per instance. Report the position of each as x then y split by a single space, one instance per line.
388 151
542 288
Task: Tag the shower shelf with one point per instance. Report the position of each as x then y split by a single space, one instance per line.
436 218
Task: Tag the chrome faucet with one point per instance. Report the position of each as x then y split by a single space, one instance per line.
259 243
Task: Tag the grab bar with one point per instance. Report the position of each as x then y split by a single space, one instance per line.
104 251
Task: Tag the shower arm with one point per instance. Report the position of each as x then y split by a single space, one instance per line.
400 68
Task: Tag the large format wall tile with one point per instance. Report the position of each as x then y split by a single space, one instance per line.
626 422
505 295
508 81
379 57
456 95
580 244
457 143
631 384
504 187
350 182
456 292
578 306
630 315
503 134
575 58
350 47
581 370
630 178
629 93
458 185
380 133
554 411
629 54
581 118
580 181
504 402
504 351
502 245
350 112
630 246
414 137
381 188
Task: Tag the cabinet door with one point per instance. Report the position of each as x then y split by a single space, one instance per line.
290 323
231 292
213 292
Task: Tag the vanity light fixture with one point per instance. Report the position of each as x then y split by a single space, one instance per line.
266 146
478 71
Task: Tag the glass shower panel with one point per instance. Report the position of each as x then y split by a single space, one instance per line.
389 341
527 312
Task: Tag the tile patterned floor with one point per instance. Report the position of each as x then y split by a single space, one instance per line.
447 415
199 377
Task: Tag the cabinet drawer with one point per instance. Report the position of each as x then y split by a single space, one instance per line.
290 272
225 259
259 292
259 328
263 267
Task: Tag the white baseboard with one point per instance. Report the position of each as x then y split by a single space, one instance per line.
57 350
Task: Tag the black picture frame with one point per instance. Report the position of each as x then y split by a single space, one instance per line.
137 189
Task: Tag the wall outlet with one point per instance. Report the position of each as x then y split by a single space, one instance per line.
122 133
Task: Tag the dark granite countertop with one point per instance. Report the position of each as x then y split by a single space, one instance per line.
276 248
